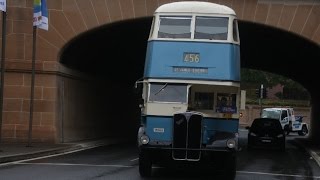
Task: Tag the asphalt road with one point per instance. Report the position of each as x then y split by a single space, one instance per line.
119 162
294 163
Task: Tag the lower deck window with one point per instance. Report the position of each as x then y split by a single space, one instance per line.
226 103
203 100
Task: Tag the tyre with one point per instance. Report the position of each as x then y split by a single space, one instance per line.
303 131
145 164
287 129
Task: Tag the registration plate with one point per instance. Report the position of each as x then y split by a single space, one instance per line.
266 140
158 130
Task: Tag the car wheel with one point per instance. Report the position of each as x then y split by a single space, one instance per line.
286 129
145 164
303 131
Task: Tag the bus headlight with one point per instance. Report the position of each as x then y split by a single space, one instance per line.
231 143
144 139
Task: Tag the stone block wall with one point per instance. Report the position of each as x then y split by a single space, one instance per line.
16 108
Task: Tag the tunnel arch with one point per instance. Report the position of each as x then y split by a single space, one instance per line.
263 47
73 22
111 44
123 44
277 51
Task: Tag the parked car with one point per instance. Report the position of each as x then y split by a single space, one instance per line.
266 133
289 121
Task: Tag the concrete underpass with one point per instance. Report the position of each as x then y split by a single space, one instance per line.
88 61
112 57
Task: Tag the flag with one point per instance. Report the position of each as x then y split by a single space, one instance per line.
40 14
3 5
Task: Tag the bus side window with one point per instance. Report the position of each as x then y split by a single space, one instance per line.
152 28
235 30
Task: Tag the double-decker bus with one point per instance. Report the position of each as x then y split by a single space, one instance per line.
190 88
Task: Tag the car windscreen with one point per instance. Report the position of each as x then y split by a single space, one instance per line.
274 114
266 124
165 92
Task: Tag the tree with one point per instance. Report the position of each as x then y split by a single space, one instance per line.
252 79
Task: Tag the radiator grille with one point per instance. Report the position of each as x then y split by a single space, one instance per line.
187 136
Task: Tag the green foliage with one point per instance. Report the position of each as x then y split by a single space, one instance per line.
279 95
267 79
252 79
272 102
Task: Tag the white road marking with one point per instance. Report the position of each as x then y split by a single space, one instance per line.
134 159
42 157
277 174
93 165
126 166
67 164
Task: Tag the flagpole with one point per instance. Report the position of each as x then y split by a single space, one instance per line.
40 19
34 40
3 50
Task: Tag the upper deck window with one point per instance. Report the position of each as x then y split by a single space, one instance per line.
213 28
175 27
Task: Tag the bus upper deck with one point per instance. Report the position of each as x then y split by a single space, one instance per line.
195 45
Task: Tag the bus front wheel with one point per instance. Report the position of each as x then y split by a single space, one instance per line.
145 164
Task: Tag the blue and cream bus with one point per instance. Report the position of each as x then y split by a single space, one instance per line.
191 87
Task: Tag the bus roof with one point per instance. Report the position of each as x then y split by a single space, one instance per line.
194 7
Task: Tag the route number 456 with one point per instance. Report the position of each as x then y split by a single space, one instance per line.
191 57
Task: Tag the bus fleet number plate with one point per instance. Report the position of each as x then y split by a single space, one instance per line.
191 57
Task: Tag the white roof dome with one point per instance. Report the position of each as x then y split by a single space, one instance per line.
194 7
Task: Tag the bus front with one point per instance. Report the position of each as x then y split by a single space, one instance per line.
190 89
